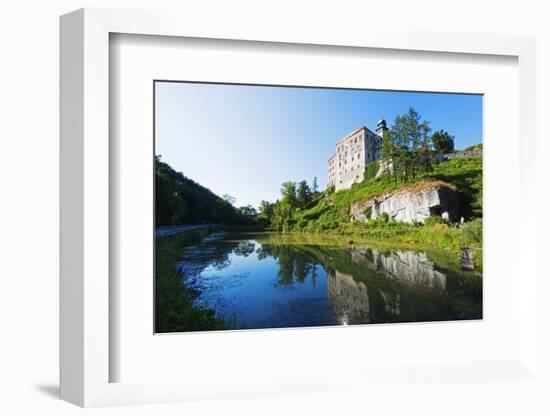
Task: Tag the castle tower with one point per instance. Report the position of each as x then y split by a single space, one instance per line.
381 127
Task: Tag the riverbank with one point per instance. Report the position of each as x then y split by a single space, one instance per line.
418 240
393 234
175 311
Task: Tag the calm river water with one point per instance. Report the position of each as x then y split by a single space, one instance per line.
268 280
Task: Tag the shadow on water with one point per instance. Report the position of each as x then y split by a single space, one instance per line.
269 280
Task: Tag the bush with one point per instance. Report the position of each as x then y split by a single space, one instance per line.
301 223
371 171
384 217
367 212
473 232
433 220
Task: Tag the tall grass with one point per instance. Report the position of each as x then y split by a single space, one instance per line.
174 310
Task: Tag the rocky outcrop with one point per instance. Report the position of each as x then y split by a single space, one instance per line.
412 204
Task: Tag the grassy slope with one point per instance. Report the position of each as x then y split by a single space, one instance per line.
174 311
329 213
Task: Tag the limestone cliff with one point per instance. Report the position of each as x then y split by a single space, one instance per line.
411 204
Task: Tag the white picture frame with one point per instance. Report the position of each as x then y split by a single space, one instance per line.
85 212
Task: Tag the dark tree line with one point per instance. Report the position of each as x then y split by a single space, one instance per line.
180 200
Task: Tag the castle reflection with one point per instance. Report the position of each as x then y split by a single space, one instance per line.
349 297
274 280
412 267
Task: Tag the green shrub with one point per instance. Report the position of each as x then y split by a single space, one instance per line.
303 222
371 171
368 212
473 232
433 220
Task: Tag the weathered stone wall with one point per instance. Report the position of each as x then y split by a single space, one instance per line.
409 206
459 154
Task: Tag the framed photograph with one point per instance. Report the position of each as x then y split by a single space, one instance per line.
231 199
388 230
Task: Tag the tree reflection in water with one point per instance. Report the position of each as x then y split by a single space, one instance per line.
291 283
294 265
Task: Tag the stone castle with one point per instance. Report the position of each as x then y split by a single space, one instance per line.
353 153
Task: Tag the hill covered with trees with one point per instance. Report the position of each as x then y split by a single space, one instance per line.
180 200
327 210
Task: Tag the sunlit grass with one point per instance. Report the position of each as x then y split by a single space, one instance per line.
330 214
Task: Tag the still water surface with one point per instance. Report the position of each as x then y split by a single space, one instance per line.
268 280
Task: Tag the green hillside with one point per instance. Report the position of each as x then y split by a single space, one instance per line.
328 211
180 200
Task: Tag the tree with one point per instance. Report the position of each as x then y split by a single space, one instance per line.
266 212
371 171
229 199
443 142
282 216
249 213
387 155
426 155
180 200
266 209
288 192
303 194
407 135
314 185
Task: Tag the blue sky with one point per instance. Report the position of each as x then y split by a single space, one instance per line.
246 140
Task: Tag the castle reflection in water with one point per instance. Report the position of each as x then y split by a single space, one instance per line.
349 298
275 281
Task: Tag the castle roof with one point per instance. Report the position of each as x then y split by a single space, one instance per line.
353 132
